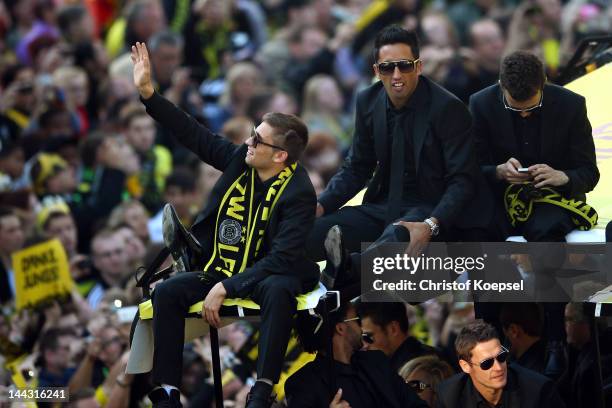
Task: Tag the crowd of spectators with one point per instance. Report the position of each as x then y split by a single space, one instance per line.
81 161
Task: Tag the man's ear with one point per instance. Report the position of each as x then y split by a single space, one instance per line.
419 67
465 367
393 328
513 330
375 67
280 156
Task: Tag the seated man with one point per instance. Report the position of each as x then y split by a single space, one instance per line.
385 328
412 148
534 143
487 380
354 377
528 131
252 233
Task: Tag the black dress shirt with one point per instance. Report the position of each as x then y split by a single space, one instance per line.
528 137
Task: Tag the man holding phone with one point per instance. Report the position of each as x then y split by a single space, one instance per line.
528 131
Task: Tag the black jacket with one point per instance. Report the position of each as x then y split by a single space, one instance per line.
409 349
446 166
283 249
524 389
310 386
566 137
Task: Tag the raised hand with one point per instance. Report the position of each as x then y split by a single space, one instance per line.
142 70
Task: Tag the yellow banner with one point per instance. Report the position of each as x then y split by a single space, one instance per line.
41 273
596 87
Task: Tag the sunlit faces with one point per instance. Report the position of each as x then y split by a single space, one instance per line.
262 156
398 85
493 378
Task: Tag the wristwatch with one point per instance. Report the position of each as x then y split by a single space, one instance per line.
433 226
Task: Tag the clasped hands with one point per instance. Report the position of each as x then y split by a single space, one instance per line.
541 175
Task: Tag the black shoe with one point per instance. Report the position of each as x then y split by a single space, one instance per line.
260 396
178 239
160 398
336 257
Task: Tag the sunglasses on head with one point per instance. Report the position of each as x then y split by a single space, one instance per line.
488 363
405 66
257 140
418 386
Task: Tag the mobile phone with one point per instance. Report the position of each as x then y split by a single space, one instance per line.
523 169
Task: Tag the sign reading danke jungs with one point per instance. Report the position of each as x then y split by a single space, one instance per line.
41 273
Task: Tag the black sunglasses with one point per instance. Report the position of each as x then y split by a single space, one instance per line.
488 363
257 140
367 337
405 66
418 386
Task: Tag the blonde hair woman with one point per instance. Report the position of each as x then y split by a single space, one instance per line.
423 374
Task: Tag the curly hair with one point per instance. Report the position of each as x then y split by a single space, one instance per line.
522 75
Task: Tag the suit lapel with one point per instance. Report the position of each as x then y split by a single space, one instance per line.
547 123
379 121
422 109
505 126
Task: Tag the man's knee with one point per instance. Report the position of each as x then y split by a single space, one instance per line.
546 232
165 292
279 290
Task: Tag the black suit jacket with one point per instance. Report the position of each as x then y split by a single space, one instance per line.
566 137
283 248
310 386
446 166
524 389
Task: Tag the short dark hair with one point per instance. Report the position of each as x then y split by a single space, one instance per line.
522 75
526 315
472 334
395 34
181 178
291 131
384 313
305 326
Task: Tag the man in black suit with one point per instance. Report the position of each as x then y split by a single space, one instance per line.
252 233
488 381
529 131
413 140
359 379
385 327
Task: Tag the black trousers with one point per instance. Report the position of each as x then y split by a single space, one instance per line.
363 223
172 298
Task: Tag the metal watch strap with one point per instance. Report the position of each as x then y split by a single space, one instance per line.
435 229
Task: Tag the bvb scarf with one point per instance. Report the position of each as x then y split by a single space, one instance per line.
240 227
519 199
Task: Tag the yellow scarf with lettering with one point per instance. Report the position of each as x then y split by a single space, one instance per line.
240 227
519 199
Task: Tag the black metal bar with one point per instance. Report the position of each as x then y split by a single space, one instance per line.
216 364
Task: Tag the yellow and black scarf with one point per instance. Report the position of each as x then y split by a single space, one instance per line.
240 227
519 199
